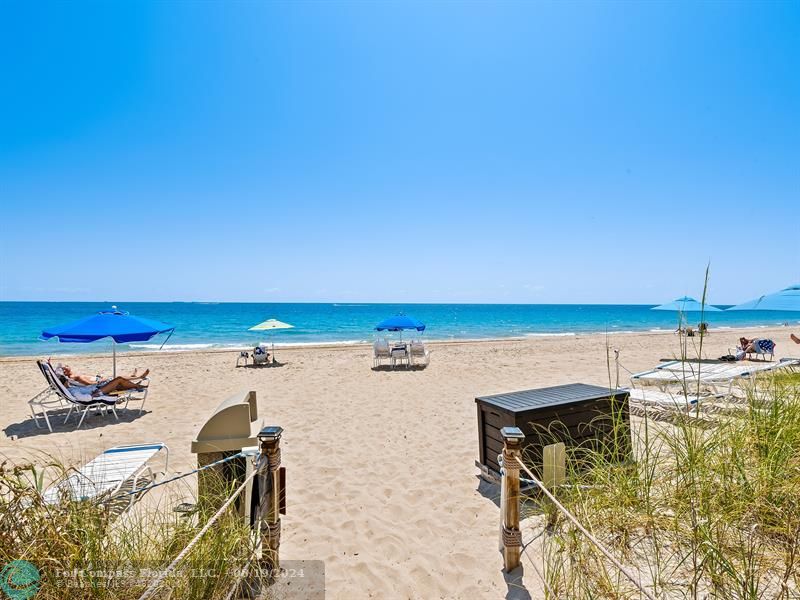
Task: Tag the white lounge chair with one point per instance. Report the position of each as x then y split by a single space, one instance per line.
100 403
46 401
108 474
419 354
649 400
713 376
380 352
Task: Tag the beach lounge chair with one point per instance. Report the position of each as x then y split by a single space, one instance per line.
45 401
115 470
380 351
762 348
100 403
712 376
419 354
648 400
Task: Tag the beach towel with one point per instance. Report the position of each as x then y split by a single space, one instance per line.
765 346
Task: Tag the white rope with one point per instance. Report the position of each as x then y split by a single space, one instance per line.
182 475
151 589
585 532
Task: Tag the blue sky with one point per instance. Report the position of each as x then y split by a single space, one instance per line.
445 152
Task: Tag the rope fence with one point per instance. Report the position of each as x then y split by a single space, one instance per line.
154 585
182 475
622 568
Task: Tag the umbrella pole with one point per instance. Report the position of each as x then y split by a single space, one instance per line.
114 354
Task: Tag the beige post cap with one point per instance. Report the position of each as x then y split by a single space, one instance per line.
231 427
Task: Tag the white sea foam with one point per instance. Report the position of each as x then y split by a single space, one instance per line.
173 347
321 343
562 334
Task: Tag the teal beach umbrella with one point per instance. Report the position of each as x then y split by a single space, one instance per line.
686 304
788 299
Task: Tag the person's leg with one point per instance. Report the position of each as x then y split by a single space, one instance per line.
137 375
795 339
117 384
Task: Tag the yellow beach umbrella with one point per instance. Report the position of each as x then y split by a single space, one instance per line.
270 325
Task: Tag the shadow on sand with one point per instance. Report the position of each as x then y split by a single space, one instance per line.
93 420
270 365
401 369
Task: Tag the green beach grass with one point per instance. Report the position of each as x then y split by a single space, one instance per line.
704 511
87 549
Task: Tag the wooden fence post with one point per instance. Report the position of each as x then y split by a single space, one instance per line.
554 465
510 535
270 496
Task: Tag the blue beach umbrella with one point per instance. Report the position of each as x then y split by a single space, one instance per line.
400 323
787 299
686 304
118 325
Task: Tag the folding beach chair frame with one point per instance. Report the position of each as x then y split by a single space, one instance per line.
418 358
380 351
43 402
101 403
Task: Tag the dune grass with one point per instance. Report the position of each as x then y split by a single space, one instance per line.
702 512
89 549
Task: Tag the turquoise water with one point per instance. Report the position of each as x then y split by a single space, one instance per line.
210 325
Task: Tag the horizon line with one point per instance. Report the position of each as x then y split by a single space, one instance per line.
344 303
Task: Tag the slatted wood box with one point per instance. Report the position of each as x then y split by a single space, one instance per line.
576 414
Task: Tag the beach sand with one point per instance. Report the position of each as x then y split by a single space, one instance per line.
382 485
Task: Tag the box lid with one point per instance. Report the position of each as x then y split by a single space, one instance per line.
549 396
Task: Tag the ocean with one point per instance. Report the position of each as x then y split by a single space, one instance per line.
200 325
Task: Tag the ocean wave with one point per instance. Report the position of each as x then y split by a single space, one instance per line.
321 343
173 347
562 334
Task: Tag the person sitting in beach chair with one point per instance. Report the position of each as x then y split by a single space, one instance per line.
756 347
83 379
88 391
260 355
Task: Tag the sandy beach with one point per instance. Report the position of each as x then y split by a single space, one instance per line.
382 485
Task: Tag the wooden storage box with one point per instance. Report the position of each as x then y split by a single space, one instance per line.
576 414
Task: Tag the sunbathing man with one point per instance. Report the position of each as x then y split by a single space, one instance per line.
89 380
88 391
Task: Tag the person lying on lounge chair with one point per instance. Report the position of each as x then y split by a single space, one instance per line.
93 380
88 391
754 346
746 345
